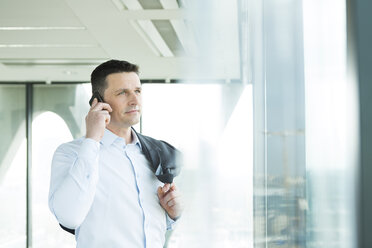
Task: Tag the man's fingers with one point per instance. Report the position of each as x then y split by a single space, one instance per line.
94 103
107 119
171 195
101 106
160 192
173 187
108 107
173 202
166 187
168 199
106 115
167 192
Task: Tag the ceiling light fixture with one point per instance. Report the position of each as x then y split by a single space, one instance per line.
148 31
47 45
40 28
118 4
52 62
179 26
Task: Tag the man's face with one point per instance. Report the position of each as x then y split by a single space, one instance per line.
124 96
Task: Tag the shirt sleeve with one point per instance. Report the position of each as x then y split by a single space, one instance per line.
74 176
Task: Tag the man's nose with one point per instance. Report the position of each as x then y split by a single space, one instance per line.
134 99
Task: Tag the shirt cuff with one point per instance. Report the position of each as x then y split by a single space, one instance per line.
171 224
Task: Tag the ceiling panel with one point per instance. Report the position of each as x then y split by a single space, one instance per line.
47 37
36 13
150 4
166 30
104 31
52 53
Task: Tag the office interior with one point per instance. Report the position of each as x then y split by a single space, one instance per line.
270 102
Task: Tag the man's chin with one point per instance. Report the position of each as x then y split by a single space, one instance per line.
125 123
134 121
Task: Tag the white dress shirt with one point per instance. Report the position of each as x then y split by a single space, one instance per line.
107 192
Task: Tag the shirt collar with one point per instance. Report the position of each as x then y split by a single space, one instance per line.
109 138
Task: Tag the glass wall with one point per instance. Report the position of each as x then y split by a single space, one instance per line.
58 116
12 166
45 229
202 121
305 125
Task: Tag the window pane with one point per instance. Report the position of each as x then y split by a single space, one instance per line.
12 167
331 128
277 66
212 126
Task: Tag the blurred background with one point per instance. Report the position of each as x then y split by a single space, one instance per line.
269 101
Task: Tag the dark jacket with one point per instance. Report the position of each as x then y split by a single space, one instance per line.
163 158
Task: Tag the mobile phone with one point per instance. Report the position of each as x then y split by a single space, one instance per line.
96 95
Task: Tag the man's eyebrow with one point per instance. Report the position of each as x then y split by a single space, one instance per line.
124 89
121 89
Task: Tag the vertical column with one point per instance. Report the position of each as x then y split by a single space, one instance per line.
360 14
257 61
29 163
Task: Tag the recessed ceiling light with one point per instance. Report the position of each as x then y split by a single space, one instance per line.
52 62
148 31
68 72
40 28
184 34
47 45
118 4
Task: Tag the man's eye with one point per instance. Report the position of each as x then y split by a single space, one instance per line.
138 91
122 93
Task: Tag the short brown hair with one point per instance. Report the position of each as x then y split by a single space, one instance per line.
99 74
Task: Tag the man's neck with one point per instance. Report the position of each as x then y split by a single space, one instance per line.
125 133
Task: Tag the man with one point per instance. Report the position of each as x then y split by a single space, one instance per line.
104 186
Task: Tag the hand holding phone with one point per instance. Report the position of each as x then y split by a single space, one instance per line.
96 95
97 118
